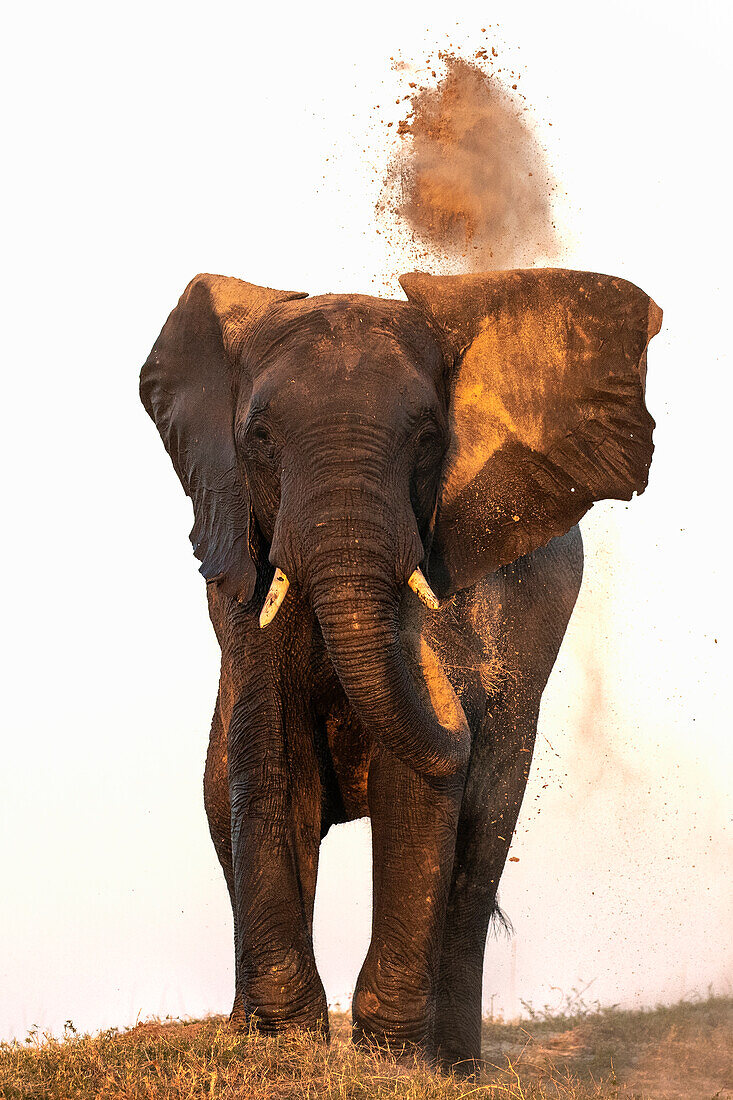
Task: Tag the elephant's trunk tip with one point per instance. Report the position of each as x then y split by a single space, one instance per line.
277 593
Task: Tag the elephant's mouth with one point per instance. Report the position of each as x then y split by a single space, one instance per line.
392 677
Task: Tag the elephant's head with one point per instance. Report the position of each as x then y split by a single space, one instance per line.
367 444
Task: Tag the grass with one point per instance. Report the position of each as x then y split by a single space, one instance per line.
680 1052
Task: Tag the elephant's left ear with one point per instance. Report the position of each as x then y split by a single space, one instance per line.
547 408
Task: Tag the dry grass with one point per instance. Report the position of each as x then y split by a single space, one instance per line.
683 1051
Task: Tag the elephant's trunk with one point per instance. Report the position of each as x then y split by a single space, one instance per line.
359 617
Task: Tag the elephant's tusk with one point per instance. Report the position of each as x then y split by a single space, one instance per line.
421 588
276 595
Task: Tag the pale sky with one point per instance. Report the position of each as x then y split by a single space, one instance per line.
151 141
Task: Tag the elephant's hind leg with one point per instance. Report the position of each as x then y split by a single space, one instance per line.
537 595
488 816
216 803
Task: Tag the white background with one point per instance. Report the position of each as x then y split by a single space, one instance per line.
148 141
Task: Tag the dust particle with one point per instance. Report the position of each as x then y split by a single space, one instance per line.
469 178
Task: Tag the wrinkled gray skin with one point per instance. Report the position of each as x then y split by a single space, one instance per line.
340 434
439 846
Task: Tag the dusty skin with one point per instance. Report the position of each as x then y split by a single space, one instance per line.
347 455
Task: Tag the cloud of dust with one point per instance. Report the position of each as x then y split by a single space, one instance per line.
601 756
470 179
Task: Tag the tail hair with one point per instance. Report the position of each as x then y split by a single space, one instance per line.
499 922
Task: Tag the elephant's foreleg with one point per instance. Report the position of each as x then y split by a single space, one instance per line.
413 836
275 840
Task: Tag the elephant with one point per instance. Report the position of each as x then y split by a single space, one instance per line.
386 496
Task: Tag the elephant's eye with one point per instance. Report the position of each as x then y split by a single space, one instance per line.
259 443
260 434
430 444
428 452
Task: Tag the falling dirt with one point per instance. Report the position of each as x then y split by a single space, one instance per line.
470 179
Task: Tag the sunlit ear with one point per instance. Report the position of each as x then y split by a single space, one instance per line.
189 386
547 408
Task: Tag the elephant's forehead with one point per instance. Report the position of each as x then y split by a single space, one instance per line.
338 334
372 377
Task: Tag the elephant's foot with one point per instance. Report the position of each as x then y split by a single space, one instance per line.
296 1001
458 1061
458 1029
403 1024
238 1016
279 1024
274 1019
458 1024
267 1021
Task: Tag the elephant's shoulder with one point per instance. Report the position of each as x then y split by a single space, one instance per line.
521 609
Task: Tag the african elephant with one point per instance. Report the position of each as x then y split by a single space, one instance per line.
346 455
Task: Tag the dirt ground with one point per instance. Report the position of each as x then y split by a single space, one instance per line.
681 1052
677 1052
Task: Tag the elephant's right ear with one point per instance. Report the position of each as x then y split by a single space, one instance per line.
189 386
